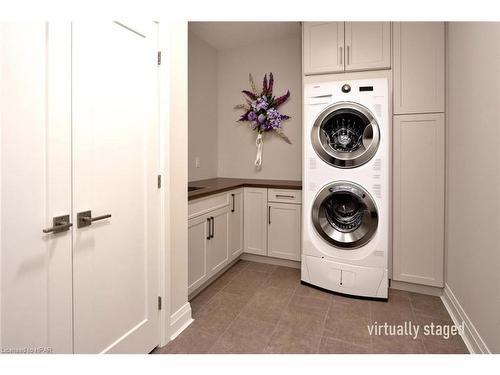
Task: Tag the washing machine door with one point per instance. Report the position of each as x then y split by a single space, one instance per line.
345 215
345 135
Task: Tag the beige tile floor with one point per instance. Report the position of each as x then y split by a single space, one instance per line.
261 308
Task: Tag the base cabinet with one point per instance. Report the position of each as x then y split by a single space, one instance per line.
419 169
236 224
217 250
283 238
255 219
208 238
198 229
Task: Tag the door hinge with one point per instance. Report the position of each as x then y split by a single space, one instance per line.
159 181
159 303
159 57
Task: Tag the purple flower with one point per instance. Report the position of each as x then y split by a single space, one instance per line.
252 116
259 104
261 119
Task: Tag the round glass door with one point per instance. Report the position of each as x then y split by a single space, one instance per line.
344 214
345 135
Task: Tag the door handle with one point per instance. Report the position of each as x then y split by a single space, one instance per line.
209 230
347 55
340 54
269 214
213 227
59 224
84 218
232 209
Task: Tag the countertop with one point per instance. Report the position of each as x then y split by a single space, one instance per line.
219 185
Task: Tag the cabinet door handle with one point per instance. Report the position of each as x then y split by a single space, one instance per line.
232 209
284 196
347 55
340 55
213 227
269 214
208 220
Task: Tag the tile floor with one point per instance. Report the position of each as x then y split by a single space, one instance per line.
261 308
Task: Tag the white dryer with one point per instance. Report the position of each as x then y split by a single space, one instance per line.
346 190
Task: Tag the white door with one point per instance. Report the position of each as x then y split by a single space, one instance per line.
255 219
367 45
218 249
236 224
323 44
115 168
199 229
419 67
284 231
419 172
35 186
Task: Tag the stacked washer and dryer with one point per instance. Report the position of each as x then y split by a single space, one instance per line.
345 239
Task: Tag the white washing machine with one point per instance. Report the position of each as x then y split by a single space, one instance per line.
346 190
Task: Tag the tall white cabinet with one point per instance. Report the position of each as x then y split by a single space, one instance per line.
419 67
418 197
418 152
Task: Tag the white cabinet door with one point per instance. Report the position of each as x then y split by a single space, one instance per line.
115 167
418 244
367 45
199 230
323 47
255 219
235 224
218 249
419 67
284 231
35 186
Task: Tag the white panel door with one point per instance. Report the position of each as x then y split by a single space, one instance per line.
323 44
419 170
284 231
35 186
199 229
255 219
236 224
115 167
419 67
367 45
218 249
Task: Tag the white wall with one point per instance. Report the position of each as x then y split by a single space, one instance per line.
202 108
473 174
236 141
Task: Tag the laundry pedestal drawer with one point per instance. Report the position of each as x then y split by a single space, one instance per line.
345 278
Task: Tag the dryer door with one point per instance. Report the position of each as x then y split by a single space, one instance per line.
345 215
345 135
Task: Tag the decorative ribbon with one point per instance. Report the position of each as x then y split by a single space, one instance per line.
259 142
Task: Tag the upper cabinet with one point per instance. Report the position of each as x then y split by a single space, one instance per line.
367 45
323 47
331 47
418 67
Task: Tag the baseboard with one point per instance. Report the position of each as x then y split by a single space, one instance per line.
180 320
471 337
416 288
270 260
